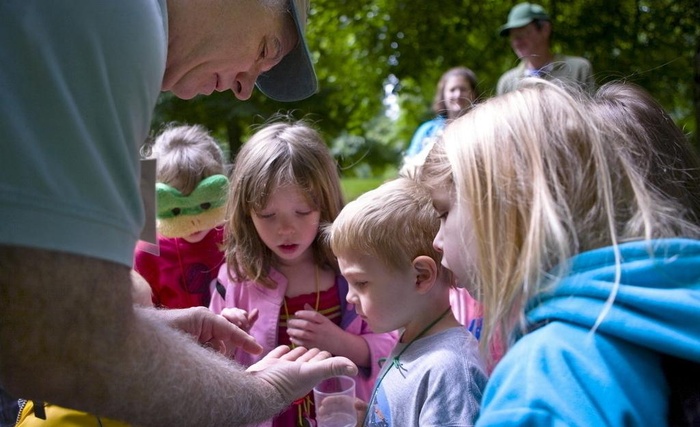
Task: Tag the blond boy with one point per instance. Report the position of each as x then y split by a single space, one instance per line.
383 242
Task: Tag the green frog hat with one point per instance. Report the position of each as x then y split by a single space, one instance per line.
203 209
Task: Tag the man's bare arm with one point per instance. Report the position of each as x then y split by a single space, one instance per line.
69 335
211 330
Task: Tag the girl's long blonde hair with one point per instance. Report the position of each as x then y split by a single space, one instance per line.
544 179
279 154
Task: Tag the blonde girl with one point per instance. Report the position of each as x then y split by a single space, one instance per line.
591 271
280 281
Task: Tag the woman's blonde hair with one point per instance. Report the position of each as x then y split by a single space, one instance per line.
544 179
279 154
186 155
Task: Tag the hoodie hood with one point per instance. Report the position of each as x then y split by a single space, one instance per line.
657 304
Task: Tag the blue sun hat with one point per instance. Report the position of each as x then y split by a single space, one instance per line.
521 15
294 78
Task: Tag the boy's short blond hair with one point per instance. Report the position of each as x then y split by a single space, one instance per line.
394 223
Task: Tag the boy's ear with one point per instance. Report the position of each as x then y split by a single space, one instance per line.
426 272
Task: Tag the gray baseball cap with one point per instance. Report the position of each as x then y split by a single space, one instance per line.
294 78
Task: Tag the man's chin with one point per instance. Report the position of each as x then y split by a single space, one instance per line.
183 95
182 92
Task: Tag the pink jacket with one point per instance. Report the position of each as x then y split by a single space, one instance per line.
248 295
467 310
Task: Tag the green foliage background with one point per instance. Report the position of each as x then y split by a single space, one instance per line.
361 45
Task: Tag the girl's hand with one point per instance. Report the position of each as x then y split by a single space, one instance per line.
311 329
241 318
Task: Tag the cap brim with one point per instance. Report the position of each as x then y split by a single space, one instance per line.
294 78
505 29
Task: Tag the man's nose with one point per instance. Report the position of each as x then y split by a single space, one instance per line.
246 81
243 86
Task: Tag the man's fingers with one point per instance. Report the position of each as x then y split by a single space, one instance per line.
216 345
313 355
326 366
251 346
279 351
239 338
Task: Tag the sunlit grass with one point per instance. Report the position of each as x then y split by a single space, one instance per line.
353 187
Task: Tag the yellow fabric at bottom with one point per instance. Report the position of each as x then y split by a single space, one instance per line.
57 416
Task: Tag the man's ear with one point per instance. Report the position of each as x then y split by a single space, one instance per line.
426 272
546 28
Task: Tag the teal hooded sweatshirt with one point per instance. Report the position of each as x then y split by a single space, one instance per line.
563 373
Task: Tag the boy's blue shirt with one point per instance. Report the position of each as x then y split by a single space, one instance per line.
564 374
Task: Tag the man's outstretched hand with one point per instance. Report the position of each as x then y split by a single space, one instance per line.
209 329
293 373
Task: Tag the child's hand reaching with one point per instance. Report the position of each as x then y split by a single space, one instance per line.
361 409
311 329
241 318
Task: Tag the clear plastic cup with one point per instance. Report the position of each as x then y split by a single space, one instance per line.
335 402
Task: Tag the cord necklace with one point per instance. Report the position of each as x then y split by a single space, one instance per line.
395 362
304 404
